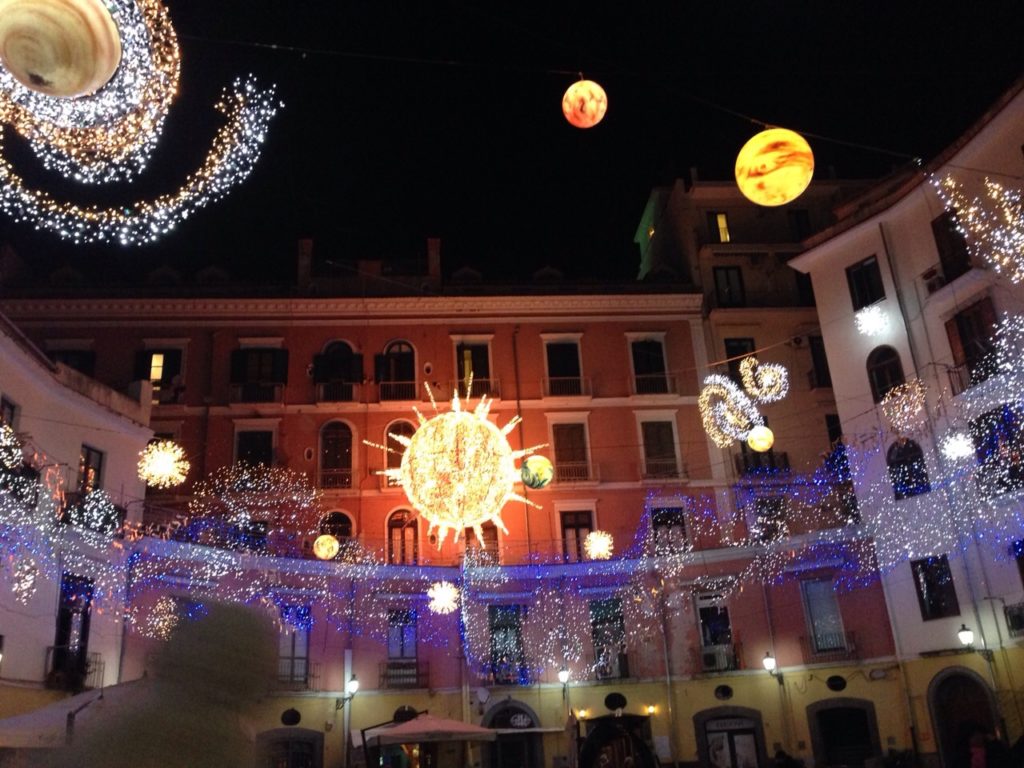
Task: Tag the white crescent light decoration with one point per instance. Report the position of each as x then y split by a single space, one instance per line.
727 413
774 167
765 382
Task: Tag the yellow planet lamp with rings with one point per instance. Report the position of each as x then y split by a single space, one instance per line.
760 438
584 103
62 48
536 472
774 167
326 547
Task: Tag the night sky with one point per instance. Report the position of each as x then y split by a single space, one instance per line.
409 120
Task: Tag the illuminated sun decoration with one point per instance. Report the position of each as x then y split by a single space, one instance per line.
163 464
774 167
584 104
871 321
458 469
444 597
598 545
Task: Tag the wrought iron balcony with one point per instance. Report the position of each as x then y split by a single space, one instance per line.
654 384
297 674
72 669
257 392
824 647
481 387
566 386
337 392
397 390
718 658
1014 619
656 469
335 478
573 472
769 462
404 673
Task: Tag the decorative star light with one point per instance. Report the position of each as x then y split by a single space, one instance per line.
727 413
163 464
598 545
994 227
458 469
956 446
765 382
904 405
443 596
871 321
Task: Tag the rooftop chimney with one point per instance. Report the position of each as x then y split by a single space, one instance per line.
305 262
434 257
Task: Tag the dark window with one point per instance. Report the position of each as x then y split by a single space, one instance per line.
834 427
90 470
338 525
575 527
570 452
162 367
799 222
998 437
729 287
865 281
257 374
769 519
7 412
336 455
563 368
293 644
649 367
668 526
735 351
395 371
804 289
82 360
291 753
255 446
507 662
884 371
713 616
403 548
936 594
907 470
70 661
820 374
970 334
608 633
401 634
396 447
951 245
472 362
718 227
659 449
336 372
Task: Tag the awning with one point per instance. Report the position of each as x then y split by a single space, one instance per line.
427 728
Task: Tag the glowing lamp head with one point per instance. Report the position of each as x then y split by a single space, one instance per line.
536 472
563 675
760 439
326 547
774 167
965 635
769 661
352 686
584 104
63 48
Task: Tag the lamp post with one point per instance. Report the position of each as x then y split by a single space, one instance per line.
966 636
351 687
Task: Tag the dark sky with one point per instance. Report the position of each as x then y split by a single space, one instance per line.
404 120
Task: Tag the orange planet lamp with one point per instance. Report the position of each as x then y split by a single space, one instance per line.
774 167
326 547
584 103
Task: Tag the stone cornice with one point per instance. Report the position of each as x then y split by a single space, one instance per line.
627 306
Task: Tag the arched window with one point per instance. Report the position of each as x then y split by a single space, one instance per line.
402 539
885 371
336 455
907 470
337 524
396 448
395 371
337 373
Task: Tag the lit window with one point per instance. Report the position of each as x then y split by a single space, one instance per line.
718 223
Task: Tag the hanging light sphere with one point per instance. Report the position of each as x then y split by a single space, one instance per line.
760 439
326 547
443 597
63 48
163 464
584 104
774 167
536 471
599 545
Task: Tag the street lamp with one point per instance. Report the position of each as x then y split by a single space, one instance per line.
771 666
966 636
351 687
563 676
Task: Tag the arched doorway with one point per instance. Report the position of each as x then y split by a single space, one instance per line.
844 731
290 748
618 741
959 701
730 737
520 742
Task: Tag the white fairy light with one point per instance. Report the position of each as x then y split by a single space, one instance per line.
163 464
956 446
443 596
765 382
10 448
904 405
993 225
598 545
871 321
727 413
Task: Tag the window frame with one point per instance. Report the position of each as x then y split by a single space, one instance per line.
654 385
659 417
8 412
577 526
409 523
736 348
722 277
718 227
813 635
906 456
889 365
488 385
569 472
918 566
573 385
404 620
88 452
256 425
343 484
865 283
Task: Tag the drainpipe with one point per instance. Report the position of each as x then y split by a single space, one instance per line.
522 439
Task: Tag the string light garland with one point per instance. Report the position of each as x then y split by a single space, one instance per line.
903 405
598 545
444 597
458 469
765 382
248 110
95 513
993 225
726 412
163 464
10 448
871 321
106 136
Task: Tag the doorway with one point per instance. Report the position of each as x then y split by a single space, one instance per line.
959 701
730 737
844 731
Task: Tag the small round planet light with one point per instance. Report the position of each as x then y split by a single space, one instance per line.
63 48
760 439
584 104
326 547
774 167
536 472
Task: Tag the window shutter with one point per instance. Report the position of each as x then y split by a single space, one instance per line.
280 366
321 369
355 374
142 365
239 357
953 332
380 368
987 315
172 364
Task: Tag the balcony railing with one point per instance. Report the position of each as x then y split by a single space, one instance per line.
335 478
752 462
297 674
610 664
572 472
481 387
337 392
257 392
1014 619
72 669
718 658
567 386
824 647
404 673
507 673
654 384
397 390
660 469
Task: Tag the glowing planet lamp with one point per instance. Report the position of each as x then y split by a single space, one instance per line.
62 48
536 471
774 167
584 104
326 547
760 439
